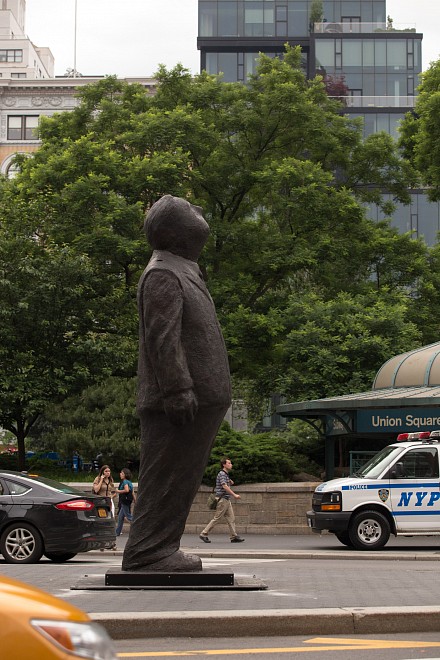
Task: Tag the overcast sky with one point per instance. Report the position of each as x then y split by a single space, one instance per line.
132 37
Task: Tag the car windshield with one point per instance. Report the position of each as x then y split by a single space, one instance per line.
56 485
379 462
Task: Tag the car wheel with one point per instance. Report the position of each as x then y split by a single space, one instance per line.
344 538
60 557
369 530
21 544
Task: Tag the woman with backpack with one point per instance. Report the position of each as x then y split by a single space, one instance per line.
126 497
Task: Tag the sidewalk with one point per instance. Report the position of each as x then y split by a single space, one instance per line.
356 592
308 546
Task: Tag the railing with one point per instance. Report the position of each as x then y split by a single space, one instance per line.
360 28
358 459
376 101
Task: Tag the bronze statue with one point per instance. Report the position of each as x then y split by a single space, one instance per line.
184 386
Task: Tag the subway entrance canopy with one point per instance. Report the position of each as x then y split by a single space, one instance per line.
405 398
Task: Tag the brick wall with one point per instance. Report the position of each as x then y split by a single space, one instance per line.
278 508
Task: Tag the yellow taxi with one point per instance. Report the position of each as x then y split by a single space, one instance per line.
42 627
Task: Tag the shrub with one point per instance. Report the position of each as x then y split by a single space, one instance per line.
257 458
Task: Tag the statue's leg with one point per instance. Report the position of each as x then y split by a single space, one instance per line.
173 460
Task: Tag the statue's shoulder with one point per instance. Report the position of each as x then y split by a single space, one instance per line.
164 263
163 260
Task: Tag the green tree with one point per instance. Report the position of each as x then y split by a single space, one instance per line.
316 13
280 173
334 347
50 344
420 143
101 419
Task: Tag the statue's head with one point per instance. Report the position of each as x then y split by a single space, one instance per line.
175 225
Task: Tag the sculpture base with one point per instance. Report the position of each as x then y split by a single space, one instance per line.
116 579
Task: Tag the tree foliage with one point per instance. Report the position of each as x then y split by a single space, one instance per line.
99 420
300 276
420 143
50 344
258 458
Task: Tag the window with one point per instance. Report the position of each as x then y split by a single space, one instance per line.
368 53
420 464
380 54
235 66
325 53
298 24
259 19
207 19
23 127
338 53
396 54
227 64
16 489
12 170
415 223
11 55
351 23
352 52
227 19
281 21
18 75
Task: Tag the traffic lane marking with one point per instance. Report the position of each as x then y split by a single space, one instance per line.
319 644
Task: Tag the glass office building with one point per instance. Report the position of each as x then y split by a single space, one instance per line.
372 62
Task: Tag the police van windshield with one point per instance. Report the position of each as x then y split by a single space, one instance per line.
378 463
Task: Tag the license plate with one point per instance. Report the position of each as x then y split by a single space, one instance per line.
102 513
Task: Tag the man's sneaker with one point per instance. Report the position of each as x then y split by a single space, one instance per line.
237 539
204 538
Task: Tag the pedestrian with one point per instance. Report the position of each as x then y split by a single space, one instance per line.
105 486
126 498
224 510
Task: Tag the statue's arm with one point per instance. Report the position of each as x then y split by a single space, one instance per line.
162 308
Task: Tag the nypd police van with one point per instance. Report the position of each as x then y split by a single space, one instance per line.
396 492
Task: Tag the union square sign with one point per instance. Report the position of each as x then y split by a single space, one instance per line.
397 419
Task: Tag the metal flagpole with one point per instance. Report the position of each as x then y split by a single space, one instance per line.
74 41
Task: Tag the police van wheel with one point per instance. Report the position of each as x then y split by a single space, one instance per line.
369 530
344 538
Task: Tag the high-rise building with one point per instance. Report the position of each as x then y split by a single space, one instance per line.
28 88
371 62
19 57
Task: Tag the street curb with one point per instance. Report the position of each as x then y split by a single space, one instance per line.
271 623
299 554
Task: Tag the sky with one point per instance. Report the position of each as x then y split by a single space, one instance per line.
130 38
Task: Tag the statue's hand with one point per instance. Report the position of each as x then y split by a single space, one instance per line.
181 408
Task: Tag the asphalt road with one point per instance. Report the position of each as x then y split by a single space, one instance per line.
314 586
367 647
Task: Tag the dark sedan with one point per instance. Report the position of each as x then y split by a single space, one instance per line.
39 517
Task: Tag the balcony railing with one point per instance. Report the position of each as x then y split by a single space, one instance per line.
376 101
359 28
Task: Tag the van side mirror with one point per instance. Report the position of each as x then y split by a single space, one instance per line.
397 471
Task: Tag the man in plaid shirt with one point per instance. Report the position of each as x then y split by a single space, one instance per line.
224 510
